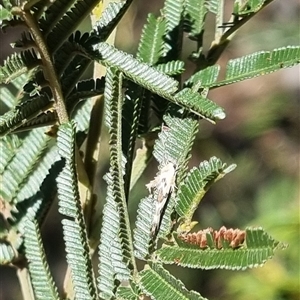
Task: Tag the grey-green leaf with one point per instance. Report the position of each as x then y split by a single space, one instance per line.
159 284
42 281
258 248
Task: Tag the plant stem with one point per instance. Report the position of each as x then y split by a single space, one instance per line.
49 69
25 284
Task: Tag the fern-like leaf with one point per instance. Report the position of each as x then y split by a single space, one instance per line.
152 44
174 145
170 68
18 64
23 112
36 206
114 255
159 83
115 252
42 281
7 253
173 10
110 18
204 78
195 12
196 184
74 229
128 293
138 72
158 283
249 66
199 105
249 6
53 14
69 22
258 248
18 167
83 90
143 242
8 98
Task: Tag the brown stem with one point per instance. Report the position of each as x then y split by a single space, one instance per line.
50 73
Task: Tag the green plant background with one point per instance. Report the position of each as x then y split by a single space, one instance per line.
260 135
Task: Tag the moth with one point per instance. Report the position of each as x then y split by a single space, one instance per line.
161 187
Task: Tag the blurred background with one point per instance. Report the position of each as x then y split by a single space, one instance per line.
260 134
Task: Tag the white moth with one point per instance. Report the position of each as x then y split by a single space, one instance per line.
161 187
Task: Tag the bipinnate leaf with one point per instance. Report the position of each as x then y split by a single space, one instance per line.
256 250
159 284
41 279
74 229
157 82
196 184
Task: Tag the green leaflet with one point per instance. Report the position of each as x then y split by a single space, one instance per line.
170 68
4 14
195 13
260 63
8 98
196 184
21 164
22 113
174 145
18 64
258 248
114 252
212 6
74 229
250 6
158 283
110 18
41 279
69 22
249 66
128 293
140 73
157 82
7 253
172 11
116 260
143 242
152 44
204 78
